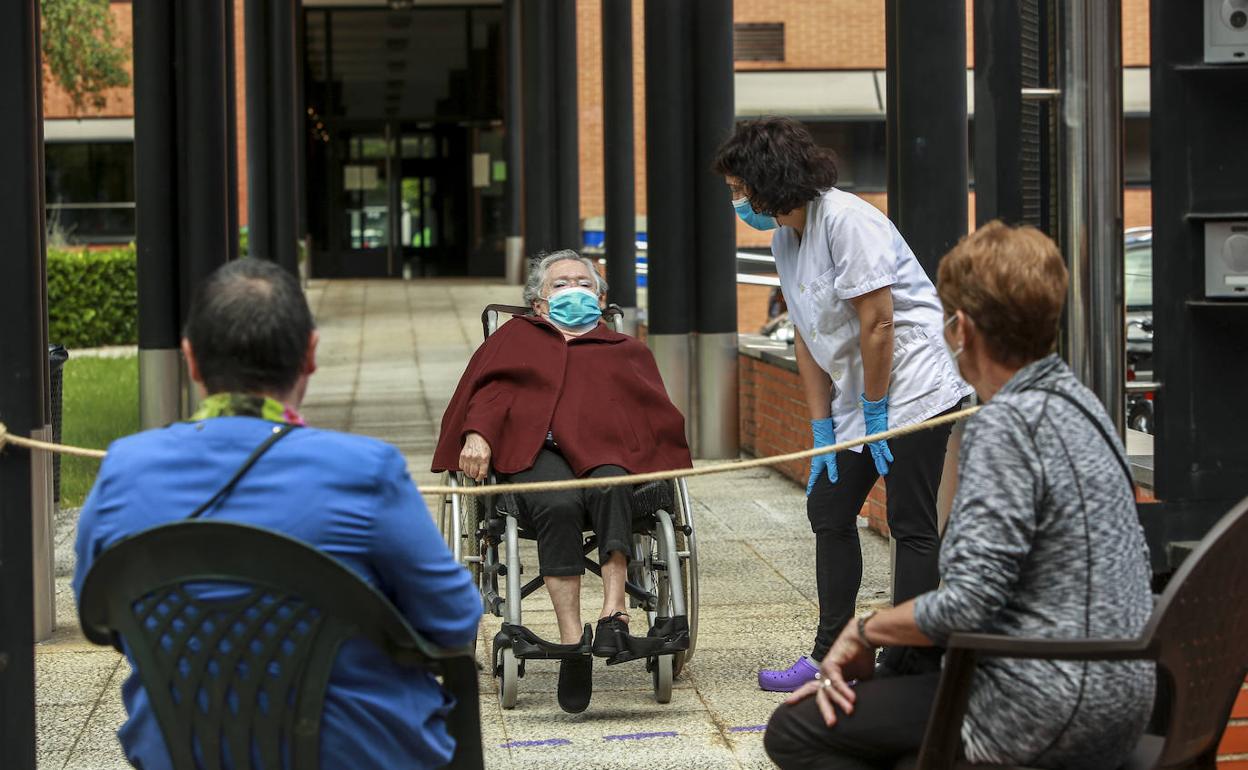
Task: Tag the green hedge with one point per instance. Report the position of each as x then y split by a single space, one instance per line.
92 298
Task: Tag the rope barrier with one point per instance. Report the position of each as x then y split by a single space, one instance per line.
45 446
612 481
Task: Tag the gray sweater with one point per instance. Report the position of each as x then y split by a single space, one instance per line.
1044 541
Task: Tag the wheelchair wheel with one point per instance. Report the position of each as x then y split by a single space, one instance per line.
662 672
459 522
688 544
508 675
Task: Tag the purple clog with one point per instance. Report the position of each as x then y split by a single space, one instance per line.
801 672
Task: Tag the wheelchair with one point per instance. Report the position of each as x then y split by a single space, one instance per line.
484 534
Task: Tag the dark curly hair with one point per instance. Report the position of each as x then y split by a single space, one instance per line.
778 162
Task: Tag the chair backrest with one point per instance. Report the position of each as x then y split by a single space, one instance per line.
1199 631
613 315
234 630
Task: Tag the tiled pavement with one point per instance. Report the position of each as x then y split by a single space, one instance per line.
390 356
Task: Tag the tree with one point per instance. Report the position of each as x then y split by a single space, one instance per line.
81 51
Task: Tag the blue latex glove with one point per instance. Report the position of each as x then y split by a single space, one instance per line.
876 415
825 435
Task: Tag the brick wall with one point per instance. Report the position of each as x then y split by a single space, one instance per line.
120 101
1233 751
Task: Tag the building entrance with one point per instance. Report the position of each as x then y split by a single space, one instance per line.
404 160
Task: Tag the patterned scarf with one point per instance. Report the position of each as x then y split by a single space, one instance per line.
244 405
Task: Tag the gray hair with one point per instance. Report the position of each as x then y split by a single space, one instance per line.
539 265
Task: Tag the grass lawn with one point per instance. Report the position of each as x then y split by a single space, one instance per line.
101 404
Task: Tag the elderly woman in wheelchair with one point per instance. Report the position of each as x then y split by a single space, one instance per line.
555 394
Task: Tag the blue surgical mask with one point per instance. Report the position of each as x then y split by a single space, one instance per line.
574 309
753 218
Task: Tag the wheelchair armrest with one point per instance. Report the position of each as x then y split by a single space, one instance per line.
999 646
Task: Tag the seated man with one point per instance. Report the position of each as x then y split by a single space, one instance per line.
251 346
558 395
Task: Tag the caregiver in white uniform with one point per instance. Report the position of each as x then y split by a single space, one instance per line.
870 355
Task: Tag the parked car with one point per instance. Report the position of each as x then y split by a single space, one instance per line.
1138 291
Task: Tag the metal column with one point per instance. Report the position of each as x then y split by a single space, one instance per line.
156 195
272 131
513 146
1091 222
714 256
619 179
669 190
540 218
567 121
927 128
23 324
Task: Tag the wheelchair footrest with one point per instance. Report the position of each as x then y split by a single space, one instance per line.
529 646
666 637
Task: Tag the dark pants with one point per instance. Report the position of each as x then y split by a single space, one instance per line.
890 716
911 483
559 518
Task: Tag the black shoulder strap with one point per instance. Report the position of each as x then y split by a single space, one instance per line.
1099 429
277 435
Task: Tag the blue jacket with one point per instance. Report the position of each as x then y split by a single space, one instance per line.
349 496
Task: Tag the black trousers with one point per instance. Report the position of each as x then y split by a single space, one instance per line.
561 517
890 716
911 483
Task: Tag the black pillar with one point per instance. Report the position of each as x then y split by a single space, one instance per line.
203 142
540 225
24 355
513 147
669 192
714 256
273 123
927 129
156 212
998 111
619 179
551 182
567 124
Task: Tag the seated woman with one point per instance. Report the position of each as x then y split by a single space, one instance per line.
1043 541
557 395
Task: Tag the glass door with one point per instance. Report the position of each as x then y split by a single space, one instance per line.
365 217
432 213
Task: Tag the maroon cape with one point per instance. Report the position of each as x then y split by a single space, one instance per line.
600 394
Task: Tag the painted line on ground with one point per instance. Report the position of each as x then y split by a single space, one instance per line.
640 736
623 737
748 729
531 744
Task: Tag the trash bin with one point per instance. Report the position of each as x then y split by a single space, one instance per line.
57 356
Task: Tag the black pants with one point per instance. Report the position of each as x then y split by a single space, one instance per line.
911 483
561 517
890 716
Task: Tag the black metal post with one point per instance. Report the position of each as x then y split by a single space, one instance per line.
24 355
513 146
714 258
231 128
998 111
669 192
619 179
927 128
540 130
259 177
282 133
567 124
156 226
203 140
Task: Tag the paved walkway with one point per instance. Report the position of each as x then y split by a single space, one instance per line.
390 356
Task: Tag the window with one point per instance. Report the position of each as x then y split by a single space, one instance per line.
758 42
90 191
1135 154
860 152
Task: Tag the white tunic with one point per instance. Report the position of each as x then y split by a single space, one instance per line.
850 249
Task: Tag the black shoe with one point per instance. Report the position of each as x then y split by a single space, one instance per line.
611 636
576 683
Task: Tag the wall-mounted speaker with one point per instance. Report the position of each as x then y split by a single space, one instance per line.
1226 259
1226 31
